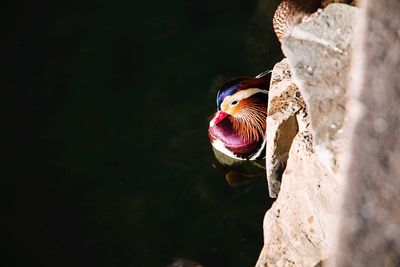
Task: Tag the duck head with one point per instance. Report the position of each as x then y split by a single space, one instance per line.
238 127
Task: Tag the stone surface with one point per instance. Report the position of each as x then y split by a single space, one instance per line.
369 234
297 225
345 167
319 55
284 102
298 228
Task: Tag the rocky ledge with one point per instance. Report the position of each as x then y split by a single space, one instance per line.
309 143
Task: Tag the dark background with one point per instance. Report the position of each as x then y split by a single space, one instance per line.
114 167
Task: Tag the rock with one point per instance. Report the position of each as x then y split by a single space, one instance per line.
369 234
319 55
284 102
298 227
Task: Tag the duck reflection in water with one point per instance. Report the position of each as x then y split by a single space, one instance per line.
237 130
239 172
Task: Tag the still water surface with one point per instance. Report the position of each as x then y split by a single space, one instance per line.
114 146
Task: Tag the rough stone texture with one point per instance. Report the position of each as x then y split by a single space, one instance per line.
297 225
298 228
284 101
318 52
370 226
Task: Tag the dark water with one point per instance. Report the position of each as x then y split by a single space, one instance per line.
114 163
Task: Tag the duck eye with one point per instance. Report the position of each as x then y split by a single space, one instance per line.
234 103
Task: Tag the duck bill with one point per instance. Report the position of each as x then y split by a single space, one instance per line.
218 117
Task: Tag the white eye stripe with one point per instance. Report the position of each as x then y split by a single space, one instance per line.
240 95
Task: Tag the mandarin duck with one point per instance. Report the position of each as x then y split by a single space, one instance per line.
238 128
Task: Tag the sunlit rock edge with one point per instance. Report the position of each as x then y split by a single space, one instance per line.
307 101
338 198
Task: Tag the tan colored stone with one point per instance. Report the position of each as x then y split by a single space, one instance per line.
369 232
318 52
297 225
284 102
